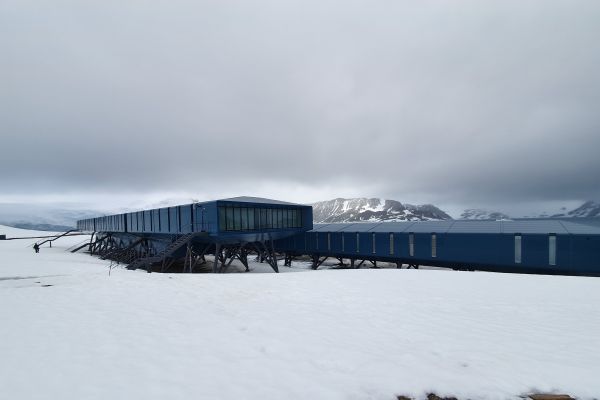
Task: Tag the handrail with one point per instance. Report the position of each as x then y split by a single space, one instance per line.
57 237
78 244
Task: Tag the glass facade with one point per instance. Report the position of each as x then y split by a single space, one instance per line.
233 218
552 249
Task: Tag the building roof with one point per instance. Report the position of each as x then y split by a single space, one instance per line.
258 200
577 226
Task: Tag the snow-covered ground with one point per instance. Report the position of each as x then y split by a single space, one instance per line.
331 334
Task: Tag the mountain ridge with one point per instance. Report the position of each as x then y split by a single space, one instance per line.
373 209
364 209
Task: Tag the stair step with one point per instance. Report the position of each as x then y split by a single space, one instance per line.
164 253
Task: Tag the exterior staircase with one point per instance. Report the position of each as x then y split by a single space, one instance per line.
118 253
146 262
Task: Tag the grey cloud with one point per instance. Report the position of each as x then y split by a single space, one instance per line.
464 102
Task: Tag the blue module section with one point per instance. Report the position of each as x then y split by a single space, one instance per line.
535 246
235 220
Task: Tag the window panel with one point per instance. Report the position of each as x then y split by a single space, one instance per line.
229 218
251 214
552 249
237 219
411 244
373 243
244 219
517 249
391 243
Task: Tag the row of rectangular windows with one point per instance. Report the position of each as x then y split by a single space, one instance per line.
254 218
411 245
551 249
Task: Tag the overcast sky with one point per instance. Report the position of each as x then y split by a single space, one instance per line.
460 104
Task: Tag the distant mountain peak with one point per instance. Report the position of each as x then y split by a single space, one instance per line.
373 210
589 209
481 214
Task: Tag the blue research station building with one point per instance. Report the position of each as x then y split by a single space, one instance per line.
177 239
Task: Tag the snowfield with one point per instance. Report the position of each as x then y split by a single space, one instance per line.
330 334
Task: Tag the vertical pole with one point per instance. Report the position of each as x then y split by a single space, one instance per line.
315 260
216 263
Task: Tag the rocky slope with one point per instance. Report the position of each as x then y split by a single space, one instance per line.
374 209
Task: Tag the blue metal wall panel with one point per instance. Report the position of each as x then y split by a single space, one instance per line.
164 220
155 221
535 251
585 253
173 220
147 217
185 213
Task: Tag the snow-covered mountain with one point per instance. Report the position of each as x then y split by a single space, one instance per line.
374 209
479 213
589 209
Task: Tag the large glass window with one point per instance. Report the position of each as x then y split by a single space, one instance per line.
229 218
251 219
237 219
263 218
244 212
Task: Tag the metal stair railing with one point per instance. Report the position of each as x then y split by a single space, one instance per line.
57 236
163 254
117 252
